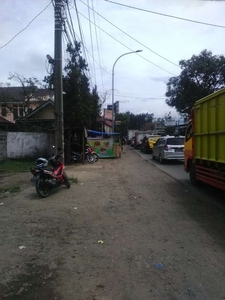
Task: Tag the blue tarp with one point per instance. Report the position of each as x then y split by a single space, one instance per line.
103 133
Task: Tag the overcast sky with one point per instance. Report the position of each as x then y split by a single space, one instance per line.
110 31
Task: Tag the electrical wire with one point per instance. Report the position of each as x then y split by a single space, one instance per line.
133 38
26 26
82 39
72 31
92 48
165 15
130 48
96 37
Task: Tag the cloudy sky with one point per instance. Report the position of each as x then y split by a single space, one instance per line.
108 31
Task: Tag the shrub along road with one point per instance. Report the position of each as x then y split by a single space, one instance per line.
125 231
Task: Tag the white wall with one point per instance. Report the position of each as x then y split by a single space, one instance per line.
27 144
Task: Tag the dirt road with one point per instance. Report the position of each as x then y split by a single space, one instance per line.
125 231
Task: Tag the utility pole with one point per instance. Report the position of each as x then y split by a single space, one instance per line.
59 126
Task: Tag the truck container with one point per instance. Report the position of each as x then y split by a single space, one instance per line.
130 135
139 135
204 150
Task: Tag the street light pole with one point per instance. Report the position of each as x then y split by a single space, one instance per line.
113 83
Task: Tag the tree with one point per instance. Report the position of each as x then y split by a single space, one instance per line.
200 76
81 106
27 93
124 119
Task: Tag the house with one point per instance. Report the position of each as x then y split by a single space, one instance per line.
5 125
17 102
40 119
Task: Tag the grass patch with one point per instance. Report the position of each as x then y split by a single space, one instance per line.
15 166
10 189
73 180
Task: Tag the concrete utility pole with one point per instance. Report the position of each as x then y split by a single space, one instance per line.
59 126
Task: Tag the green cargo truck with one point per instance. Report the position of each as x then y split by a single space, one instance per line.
204 149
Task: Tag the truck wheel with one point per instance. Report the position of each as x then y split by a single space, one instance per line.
192 175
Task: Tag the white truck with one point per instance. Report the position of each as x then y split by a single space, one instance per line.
130 135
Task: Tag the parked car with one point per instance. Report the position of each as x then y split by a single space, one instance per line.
169 148
148 143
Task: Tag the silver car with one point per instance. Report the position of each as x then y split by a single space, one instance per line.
169 147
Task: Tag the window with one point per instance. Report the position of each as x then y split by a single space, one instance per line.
4 112
21 111
189 133
175 141
15 111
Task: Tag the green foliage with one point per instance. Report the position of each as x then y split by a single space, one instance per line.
10 189
122 128
81 106
200 76
131 121
138 121
15 165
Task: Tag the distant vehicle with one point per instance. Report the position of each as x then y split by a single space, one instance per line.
139 136
138 139
130 135
169 148
148 143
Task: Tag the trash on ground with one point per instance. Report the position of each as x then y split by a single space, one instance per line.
75 207
100 242
21 291
46 277
22 247
1 204
159 266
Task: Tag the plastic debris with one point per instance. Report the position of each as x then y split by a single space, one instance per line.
22 247
1 204
75 207
46 277
159 266
21 291
81 183
100 242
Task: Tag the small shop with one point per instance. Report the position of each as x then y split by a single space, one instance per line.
105 144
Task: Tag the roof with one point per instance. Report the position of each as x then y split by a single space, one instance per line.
4 121
16 93
42 106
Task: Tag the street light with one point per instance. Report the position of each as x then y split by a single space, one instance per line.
113 83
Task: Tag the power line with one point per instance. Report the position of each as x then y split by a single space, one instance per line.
26 26
92 47
96 37
132 37
128 47
165 15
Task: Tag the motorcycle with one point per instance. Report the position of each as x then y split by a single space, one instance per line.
89 154
46 179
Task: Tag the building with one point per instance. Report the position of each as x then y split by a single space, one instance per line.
17 102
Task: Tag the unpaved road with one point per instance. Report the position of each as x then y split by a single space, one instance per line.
125 231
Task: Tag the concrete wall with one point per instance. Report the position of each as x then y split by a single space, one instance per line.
3 145
28 144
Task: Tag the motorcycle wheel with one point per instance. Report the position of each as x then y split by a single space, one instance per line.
96 157
66 180
91 158
42 189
